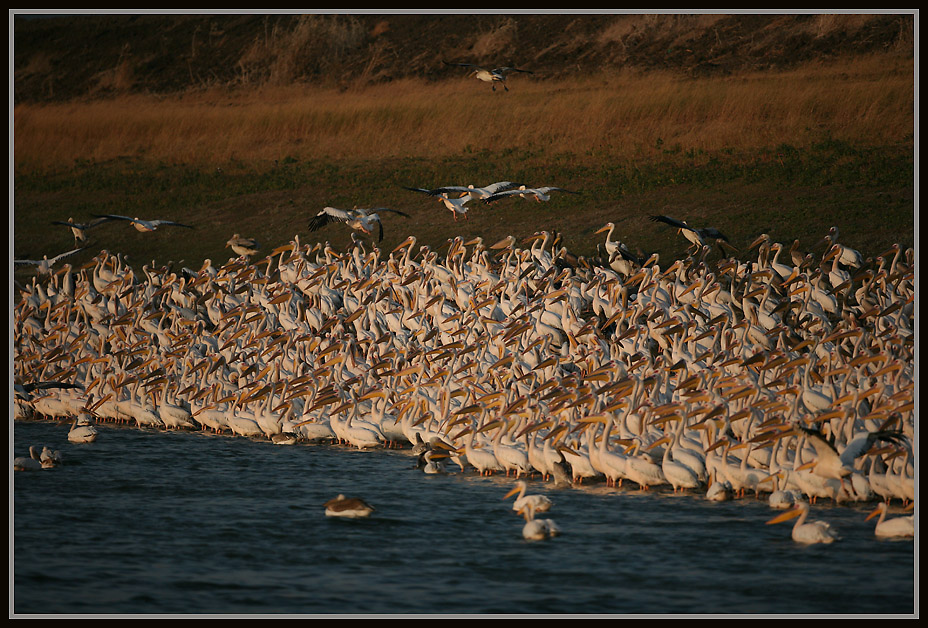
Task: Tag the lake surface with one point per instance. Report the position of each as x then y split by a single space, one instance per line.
149 522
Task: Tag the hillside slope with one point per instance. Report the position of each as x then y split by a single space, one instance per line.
89 56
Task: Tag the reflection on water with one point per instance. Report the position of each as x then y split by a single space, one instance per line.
153 522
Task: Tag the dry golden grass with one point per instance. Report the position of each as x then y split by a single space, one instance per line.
868 101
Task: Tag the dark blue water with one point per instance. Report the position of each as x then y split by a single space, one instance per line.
155 522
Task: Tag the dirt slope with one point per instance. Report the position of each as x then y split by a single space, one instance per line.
87 56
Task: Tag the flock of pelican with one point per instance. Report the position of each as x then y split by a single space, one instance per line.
723 378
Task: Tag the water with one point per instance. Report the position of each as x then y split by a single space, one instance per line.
146 522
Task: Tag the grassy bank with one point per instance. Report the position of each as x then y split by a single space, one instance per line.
790 154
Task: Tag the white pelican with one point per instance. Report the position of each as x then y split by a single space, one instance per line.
44 265
700 237
364 220
832 464
899 527
246 247
539 194
144 226
350 507
494 76
78 228
540 503
537 529
719 490
811 532
32 462
483 193
82 429
457 206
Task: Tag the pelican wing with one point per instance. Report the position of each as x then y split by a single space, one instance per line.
158 223
862 444
106 217
545 190
423 190
495 197
327 215
58 258
508 69
670 221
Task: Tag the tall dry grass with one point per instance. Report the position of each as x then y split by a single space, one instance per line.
617 116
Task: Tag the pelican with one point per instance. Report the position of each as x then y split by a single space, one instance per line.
82 429
540 503
145 226
32 462
363 220
494 76
539 194
832 464
699 237
457 206
246 247
537 529
808 533
483 193
44 265
899 527
78 228
351 508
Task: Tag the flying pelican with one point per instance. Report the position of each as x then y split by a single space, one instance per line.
457 206
78 228
483 193
144 226
363 220
246 247
540 503
44 265
812 532
496 75
351 508
24 391
699 237
900 527
832 464
539 194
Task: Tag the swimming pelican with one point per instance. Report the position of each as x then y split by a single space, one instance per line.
363 220
494 76
349 507
145 226
82 429
540 503
246 247
537 529
811 532
899 527
32 462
